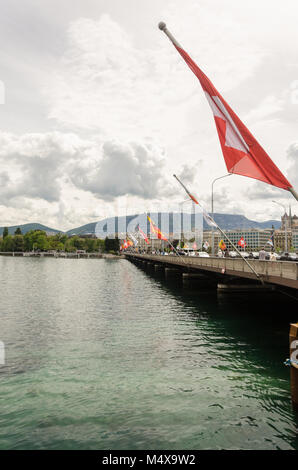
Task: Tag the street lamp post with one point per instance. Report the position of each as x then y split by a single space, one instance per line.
286 224
212 205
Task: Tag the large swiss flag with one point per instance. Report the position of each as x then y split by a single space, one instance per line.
242 153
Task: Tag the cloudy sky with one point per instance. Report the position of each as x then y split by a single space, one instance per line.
99 109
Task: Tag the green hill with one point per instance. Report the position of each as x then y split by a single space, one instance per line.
27 227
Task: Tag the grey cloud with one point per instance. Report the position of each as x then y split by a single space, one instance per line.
40 179
36 163
265 191
39 166
272 79
188 172
131 169
4 179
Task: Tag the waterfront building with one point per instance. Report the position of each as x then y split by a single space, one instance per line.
254 238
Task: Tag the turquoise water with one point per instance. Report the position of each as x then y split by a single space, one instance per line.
100 355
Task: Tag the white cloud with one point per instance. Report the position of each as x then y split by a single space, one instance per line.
188 172
105 82
119 94
32 164
63 176
123 169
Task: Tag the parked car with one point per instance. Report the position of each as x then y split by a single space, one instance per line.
181 253
191 253
285 256
233 254
255 254
202 254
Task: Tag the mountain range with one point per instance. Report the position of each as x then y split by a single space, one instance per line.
27 227
225 221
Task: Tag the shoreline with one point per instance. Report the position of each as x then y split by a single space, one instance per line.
45 254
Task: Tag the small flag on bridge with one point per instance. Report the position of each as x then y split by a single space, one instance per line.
270 241
242 242
143 235
208 219
222 245
156 230
135 241
206 245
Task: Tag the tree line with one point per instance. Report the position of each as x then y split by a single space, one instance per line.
38 240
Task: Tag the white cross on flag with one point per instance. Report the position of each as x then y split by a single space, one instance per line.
242 153
242 242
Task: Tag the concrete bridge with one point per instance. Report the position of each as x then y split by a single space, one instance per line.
222 271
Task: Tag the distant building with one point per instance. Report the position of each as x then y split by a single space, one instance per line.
254 238
289 221
280 240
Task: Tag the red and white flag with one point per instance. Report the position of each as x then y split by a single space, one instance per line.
242 153
142 234
242 242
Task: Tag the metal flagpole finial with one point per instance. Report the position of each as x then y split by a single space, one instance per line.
163 27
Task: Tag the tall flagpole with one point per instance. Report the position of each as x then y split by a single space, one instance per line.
295 194
223 233
163 27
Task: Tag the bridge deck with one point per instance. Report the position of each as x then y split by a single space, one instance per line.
284 273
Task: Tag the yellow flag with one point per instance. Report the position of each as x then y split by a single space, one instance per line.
222 245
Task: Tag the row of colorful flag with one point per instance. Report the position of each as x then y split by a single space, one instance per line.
133 242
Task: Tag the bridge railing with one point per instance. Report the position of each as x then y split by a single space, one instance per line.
282 269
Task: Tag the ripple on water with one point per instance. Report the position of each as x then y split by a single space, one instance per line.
101 355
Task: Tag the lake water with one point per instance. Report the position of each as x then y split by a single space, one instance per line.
101 355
